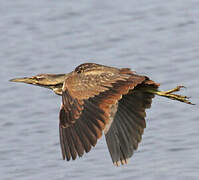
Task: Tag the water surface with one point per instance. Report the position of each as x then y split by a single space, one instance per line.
158 39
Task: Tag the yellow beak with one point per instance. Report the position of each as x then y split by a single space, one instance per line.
24 80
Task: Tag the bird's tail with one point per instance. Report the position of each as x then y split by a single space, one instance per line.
169 94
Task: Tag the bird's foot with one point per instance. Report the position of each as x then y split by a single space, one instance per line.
169 94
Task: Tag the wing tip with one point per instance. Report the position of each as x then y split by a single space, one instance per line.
121 162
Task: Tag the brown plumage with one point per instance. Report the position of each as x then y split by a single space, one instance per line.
97 99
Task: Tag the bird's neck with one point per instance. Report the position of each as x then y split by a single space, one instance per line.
57 89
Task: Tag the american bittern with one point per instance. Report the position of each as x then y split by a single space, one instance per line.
99 99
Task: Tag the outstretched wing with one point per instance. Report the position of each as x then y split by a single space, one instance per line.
87 101
128 125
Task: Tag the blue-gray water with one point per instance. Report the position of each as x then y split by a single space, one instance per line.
156 38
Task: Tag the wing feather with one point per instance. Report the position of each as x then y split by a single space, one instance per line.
87 99
128 125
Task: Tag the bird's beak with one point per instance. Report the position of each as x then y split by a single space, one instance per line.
24 80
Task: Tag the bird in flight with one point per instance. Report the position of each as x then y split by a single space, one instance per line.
99 99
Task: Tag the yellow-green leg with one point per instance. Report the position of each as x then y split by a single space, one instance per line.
169 94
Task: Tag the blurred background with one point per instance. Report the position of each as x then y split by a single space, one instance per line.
156 38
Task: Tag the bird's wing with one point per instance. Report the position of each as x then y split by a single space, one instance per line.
87 101
128 126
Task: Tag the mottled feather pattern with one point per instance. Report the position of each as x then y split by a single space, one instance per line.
86 86
93 68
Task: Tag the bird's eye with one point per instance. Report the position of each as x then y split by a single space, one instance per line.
38 78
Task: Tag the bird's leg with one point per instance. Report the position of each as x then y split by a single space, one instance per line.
173 90
169 94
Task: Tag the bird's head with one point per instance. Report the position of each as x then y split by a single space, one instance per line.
51 81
